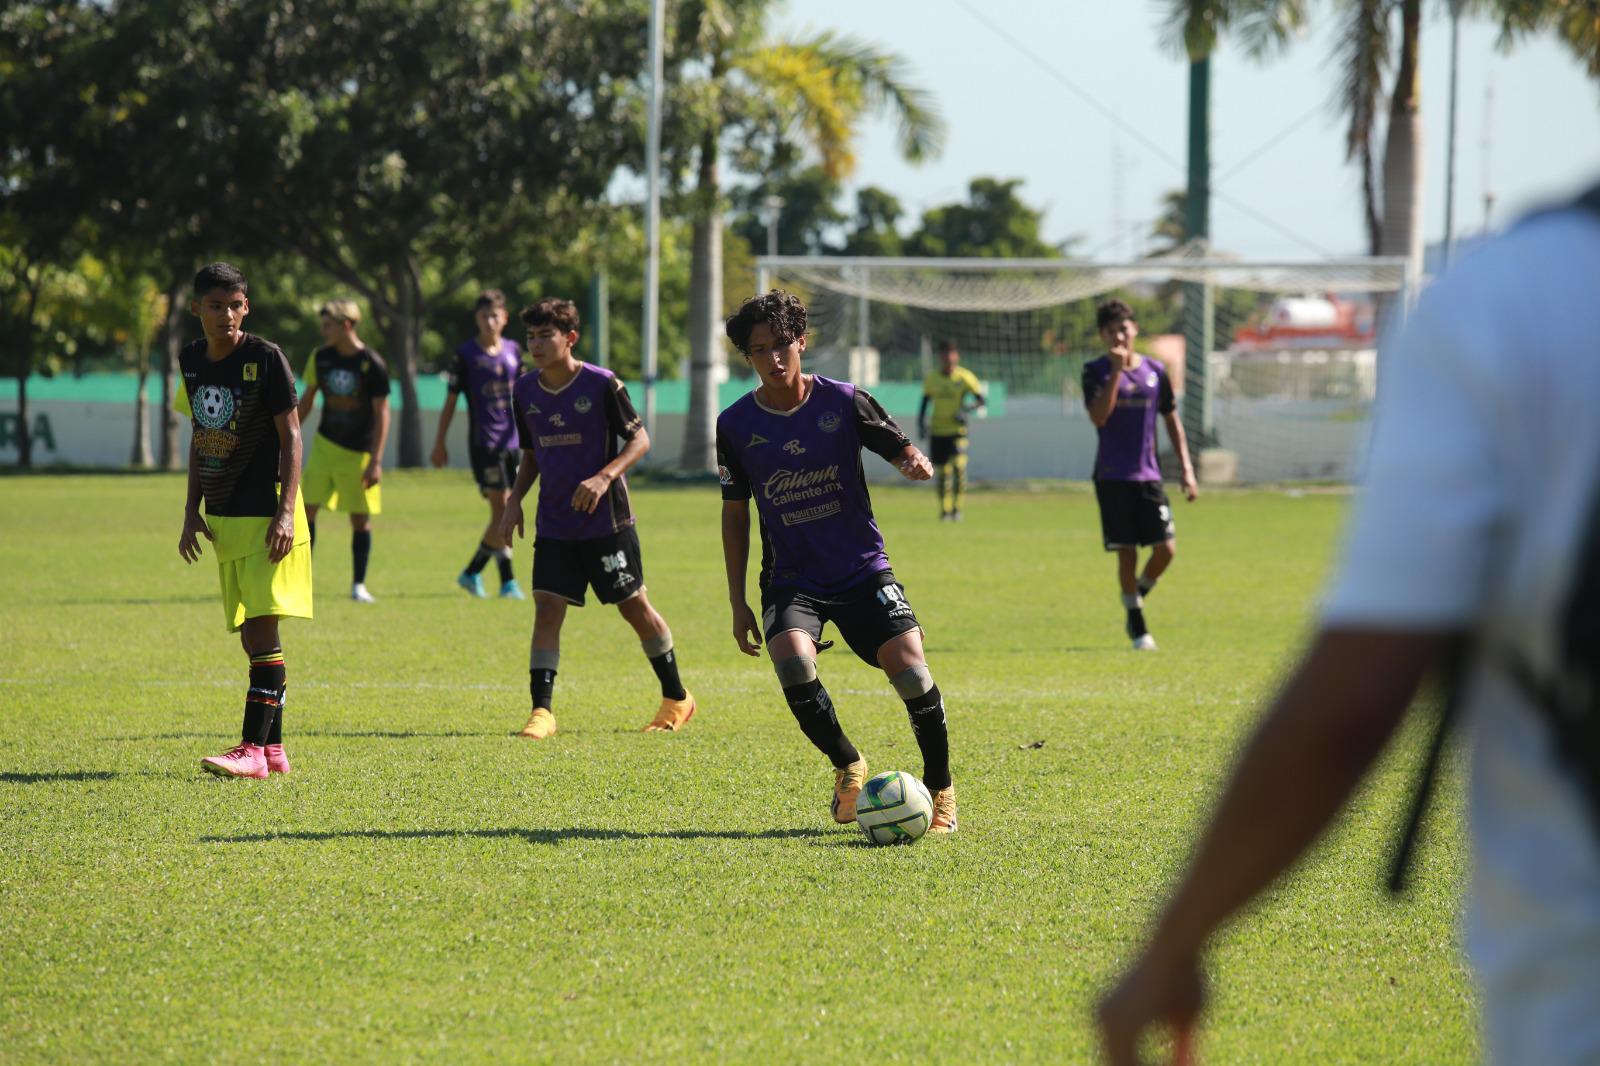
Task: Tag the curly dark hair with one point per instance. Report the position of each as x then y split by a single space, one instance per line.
551 311
220 276
1111 313
781 311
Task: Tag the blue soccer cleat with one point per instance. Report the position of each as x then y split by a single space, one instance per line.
510 590
473 583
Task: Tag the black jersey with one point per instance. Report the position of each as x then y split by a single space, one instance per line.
232 403
349 384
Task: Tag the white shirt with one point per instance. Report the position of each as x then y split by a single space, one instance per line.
1484 466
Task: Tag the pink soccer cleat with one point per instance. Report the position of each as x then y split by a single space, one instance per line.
246 760
277 759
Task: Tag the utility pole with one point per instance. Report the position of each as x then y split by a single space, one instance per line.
652 221
774 210
1198 308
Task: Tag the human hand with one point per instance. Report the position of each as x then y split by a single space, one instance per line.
511 520
587 496
194 527
746 631
280 536
1154 990
440 455
1191 488
914 466
372 474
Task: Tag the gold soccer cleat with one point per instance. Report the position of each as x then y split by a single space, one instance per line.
847 783
944 811
541 724
673 713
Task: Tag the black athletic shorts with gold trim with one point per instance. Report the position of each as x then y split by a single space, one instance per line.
943 449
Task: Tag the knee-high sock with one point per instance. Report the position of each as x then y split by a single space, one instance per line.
925 707
941 474
480 559
503 558
264 700
813 709
960 465
664 661
542 666
360 552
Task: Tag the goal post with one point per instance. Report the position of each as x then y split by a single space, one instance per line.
1283 393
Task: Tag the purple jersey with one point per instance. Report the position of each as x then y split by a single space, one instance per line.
572 432
1127 449
485 379
804 469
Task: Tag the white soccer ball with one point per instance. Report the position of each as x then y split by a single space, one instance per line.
894 808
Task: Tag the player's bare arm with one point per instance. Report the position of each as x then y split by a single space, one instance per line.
913 465
1308 754
1105 401
194 523
380 435
587 496
736 559
280 532
511 520
922 416
1180 444
441 454
308 399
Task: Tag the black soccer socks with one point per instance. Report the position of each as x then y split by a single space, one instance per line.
813 709
263 704
665 663
480 559
503 558
360 551
928 724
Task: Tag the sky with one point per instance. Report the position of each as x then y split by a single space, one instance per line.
1081 101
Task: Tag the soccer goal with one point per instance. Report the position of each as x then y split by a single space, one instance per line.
1284 392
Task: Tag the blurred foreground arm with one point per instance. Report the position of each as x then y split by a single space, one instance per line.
1325 729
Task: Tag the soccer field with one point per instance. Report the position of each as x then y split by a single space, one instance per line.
425 885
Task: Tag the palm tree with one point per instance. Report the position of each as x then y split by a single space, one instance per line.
733 84
1366 52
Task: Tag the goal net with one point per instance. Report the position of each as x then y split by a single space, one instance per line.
1283 393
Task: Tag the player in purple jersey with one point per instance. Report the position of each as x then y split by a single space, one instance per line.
1124 392
484 370
795 442
571 418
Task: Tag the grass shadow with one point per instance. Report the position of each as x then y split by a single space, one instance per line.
532 836
48 776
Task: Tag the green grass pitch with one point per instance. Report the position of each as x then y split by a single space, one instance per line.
427 886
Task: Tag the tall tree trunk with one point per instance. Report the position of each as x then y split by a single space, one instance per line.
402 327
171 345
706 353
1402 161
139 456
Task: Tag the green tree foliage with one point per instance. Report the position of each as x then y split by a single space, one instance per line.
993 223
807 218
875 230
397 148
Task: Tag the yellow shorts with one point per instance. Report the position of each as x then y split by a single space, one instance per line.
252 585
332 479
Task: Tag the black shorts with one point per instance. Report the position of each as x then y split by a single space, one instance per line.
495 469
611 565
943 449
867 616
1133 513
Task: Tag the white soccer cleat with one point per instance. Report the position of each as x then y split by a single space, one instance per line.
1144 643
359 593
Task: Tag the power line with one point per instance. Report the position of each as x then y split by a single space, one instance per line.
1149 144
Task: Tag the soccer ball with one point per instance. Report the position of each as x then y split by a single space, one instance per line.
894 808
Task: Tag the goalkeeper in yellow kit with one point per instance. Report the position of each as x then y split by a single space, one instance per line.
951 391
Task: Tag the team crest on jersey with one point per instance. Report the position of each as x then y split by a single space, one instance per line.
582 405
557 421
794 447
250 371
213 406
829 422
342 382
